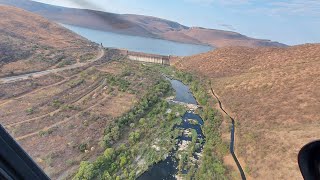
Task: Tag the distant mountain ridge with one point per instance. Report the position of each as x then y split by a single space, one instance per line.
138 25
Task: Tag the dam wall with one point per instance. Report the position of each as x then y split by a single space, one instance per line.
150 59
144 57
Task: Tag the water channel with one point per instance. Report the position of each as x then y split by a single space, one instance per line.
168 168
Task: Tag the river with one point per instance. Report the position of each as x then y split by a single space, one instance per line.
168 168
139 44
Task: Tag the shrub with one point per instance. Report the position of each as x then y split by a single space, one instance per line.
134 137
83 147
76 83
56 103
30 111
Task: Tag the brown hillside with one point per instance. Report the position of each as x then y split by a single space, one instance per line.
219 38
273 93
30 43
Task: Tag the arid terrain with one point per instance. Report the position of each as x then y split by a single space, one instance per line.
60 118
138 25
273 93
31 43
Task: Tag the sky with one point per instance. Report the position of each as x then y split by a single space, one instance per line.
287 21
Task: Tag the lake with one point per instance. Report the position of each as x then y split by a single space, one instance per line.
139 44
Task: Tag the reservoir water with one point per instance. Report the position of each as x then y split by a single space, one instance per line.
139 44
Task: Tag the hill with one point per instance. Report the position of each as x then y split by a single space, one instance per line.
138 25
273 93
32 43
69 117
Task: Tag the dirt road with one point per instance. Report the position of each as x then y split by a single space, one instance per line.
46 72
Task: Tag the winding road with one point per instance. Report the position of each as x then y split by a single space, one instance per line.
46 72
243 176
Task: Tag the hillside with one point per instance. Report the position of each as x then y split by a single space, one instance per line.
32 43
138 25
273 93
61 119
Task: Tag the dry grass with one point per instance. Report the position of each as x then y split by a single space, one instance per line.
273 93
32 43
64 116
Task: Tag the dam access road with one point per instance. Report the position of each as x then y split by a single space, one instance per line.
11 79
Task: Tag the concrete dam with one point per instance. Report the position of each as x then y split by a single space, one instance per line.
144 57
149 58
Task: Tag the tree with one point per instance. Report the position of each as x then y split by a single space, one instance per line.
107 140
115 133
123 161
171 116
142 121
107 176
86 171
108 153
134 136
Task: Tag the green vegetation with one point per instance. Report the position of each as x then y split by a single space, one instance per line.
56 103
146 134
70 107
59 104
30 111
47 132
121 83
138 139
86 57
83 147
76 82
64 62
214 148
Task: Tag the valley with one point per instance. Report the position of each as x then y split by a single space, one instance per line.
116 108
224 106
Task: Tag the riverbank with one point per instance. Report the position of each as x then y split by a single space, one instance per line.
185 156
215 148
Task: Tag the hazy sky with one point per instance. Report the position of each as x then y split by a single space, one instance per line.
287 21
